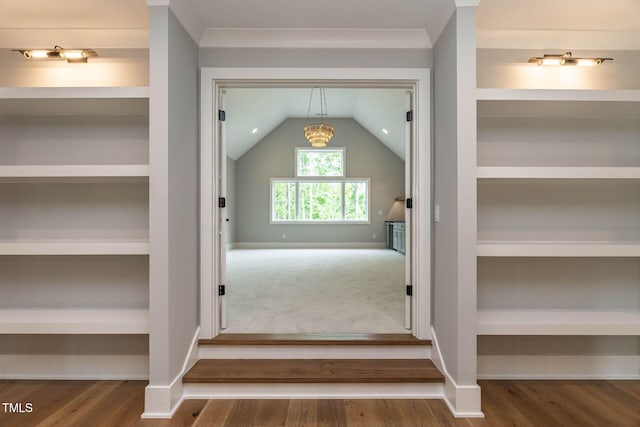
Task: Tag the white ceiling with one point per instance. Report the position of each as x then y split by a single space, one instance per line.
314 13
266 108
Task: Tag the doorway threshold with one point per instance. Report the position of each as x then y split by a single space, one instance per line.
316 339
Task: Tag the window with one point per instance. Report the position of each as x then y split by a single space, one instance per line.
310 200
320 195
320 162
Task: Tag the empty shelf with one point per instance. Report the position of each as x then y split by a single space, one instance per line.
74 247
519 172
82 101
558 249
39 173
501 94
74 321
558 322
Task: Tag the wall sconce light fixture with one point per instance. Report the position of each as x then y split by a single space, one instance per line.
567 58
58 53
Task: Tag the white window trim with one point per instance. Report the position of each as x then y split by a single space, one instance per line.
319 179
344 161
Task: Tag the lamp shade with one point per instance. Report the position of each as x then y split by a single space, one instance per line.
396 213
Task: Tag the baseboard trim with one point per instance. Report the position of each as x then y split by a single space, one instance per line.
463 401
164 400
308 245
313 391
73 367
559 367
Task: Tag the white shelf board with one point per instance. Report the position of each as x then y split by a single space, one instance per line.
499 94
557 249
74 92
74 321
38 173
597 104
558 322
74 101
521 172
74 247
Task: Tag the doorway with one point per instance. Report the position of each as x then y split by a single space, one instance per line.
215 83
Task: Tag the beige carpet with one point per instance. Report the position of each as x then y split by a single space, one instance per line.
315 290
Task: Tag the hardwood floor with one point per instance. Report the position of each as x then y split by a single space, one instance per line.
505 403
313 371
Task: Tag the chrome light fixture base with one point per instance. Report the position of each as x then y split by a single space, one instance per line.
565 59
58 54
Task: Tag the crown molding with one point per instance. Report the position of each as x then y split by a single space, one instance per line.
442 13
11 38
558 39
315 38
185 14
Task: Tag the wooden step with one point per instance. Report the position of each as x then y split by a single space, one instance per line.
315 340
328 371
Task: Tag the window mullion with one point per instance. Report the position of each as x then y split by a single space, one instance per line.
343 201
297 201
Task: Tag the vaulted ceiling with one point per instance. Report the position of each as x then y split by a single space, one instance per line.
263 110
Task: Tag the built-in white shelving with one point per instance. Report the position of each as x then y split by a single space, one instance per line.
558 103
74 247
71 93
558 249
74 101
74 321
558 322
582 95
39 173
523 172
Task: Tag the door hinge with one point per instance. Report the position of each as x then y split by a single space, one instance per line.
409 203
222 202
222 290
409 290
410 115
222 115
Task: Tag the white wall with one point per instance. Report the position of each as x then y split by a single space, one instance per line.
455 192
183 193
346 58
173 188
445 236
274 156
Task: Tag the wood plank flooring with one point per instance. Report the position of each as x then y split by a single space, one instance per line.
505 403
314 339
313 371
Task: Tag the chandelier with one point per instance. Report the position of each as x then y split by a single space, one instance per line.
318 134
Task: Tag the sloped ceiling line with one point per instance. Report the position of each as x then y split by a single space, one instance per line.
266 108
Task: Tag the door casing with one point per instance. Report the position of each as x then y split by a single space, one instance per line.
213 80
